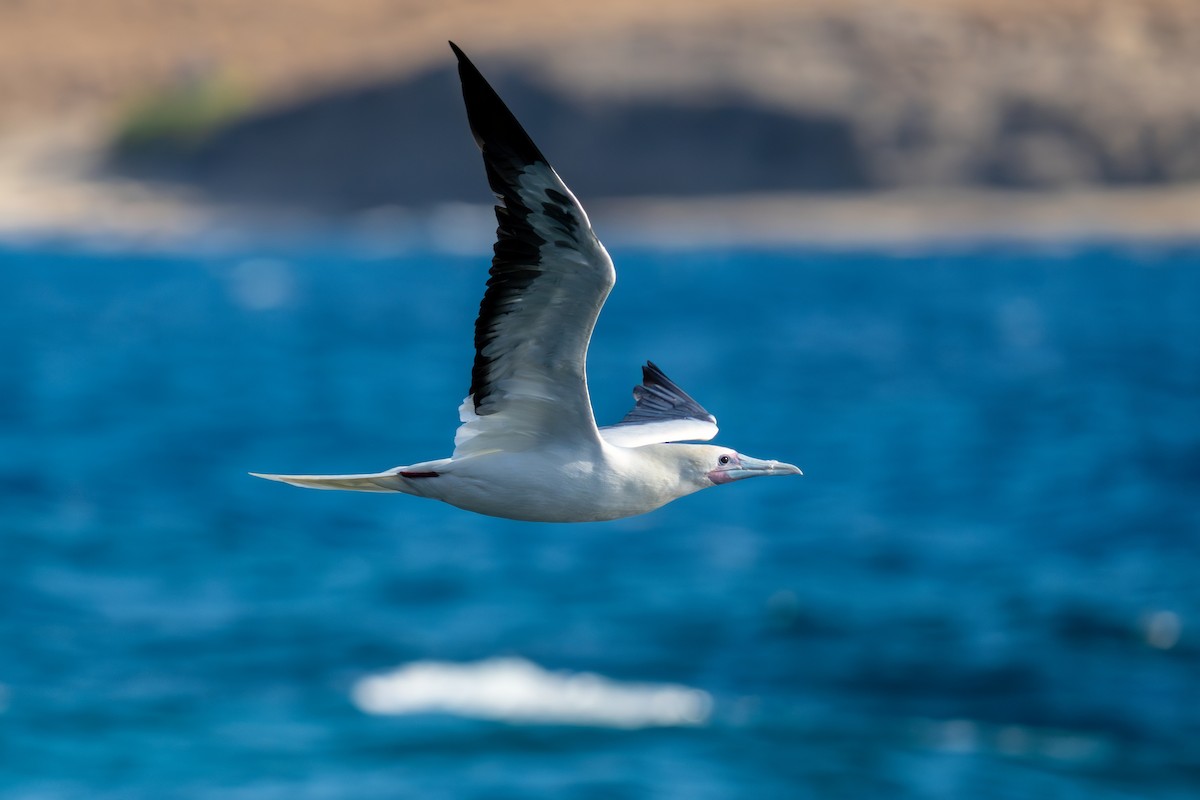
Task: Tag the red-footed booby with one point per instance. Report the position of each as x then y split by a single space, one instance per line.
528 447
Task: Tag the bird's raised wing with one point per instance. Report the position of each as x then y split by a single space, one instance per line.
662 412
550 275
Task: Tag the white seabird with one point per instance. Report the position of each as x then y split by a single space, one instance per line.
528 447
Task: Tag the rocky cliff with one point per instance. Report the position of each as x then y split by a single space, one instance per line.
358 107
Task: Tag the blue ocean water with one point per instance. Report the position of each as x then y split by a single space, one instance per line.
987 585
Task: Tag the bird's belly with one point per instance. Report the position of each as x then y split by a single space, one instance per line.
539 490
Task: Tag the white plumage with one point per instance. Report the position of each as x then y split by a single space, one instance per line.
528 447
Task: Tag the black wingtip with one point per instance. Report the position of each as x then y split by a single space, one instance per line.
658 396
495 128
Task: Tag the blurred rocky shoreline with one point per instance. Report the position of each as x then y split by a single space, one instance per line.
907 110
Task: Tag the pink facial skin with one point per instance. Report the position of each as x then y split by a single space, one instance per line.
721 474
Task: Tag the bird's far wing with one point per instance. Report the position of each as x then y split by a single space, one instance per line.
550 275
662 412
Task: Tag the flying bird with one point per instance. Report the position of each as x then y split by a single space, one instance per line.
528 447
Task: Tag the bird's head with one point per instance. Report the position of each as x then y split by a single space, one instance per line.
710 465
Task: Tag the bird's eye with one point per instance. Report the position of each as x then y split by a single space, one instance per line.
723 460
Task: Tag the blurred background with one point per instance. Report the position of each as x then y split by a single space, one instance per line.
117 112
942 254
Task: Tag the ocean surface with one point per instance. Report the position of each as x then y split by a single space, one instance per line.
986 585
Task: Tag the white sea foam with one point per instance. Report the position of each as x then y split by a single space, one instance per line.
519 691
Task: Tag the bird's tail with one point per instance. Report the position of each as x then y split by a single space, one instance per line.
400 479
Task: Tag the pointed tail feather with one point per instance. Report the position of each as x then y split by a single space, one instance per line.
390 481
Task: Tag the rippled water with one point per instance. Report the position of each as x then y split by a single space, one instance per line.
985 585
